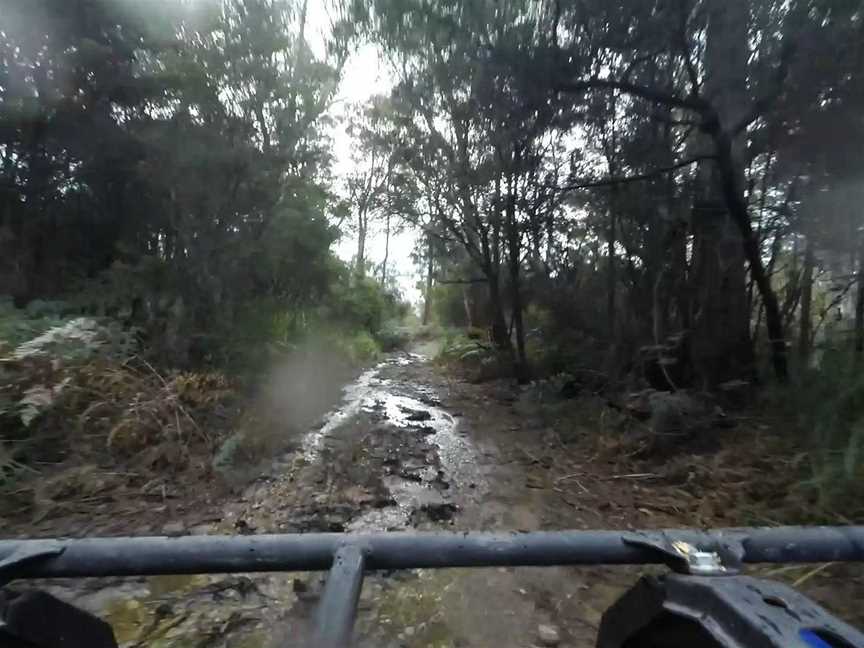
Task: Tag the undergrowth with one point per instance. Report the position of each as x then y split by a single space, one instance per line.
820 416
795 456
79 395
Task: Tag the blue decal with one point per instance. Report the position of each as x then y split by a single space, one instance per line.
812 639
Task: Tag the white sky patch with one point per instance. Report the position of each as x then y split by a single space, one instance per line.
364 76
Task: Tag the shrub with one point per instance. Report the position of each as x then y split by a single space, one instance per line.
828 422
17 325
427 332
393 336
460 348
358 348
78 386
233 451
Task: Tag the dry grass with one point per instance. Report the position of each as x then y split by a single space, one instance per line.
750 474
113 428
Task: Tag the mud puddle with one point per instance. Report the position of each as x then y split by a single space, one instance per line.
390 457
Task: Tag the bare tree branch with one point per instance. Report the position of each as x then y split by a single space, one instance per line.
691 102
635 178
692 75
473 280
763 103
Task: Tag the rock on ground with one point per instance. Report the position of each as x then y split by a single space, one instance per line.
548 635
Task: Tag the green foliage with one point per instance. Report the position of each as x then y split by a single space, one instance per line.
428 332
448 305
79 339
394 335
358 348
81 385
357 316
459 346
233 451
175 188
556 347
39 345
359 304
11 470
19 325
824 409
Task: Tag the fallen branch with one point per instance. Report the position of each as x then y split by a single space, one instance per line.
576 481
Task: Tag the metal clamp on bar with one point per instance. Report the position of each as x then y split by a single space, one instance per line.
712 556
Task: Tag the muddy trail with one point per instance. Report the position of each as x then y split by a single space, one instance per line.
410 447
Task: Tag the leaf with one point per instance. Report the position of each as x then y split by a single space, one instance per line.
35 402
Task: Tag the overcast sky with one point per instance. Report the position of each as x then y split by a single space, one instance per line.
365 75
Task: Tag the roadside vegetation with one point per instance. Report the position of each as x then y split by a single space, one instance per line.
165 246
648 212
655 209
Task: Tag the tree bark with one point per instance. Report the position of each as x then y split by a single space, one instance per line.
430 267
805 327
360 263
722 348
679 282
513 257
738 211
386 251
612 279
859 307
659 308
500 338
470 320
550 240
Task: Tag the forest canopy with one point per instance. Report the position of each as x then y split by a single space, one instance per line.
667 193
167 162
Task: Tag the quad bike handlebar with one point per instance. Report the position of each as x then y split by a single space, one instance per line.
704 600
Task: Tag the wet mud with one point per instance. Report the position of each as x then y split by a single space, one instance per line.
412 447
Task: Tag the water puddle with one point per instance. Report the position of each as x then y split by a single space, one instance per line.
426 467
416 409
353 396
430 485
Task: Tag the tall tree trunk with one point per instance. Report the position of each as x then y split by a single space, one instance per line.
805 328
680 283
859 306
386 251
299 60
360 263
430 267
513 258
500 338
738 211
721 345
659 308
776 246
611 148
468 304
612 279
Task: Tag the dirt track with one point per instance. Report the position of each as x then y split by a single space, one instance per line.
410 447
